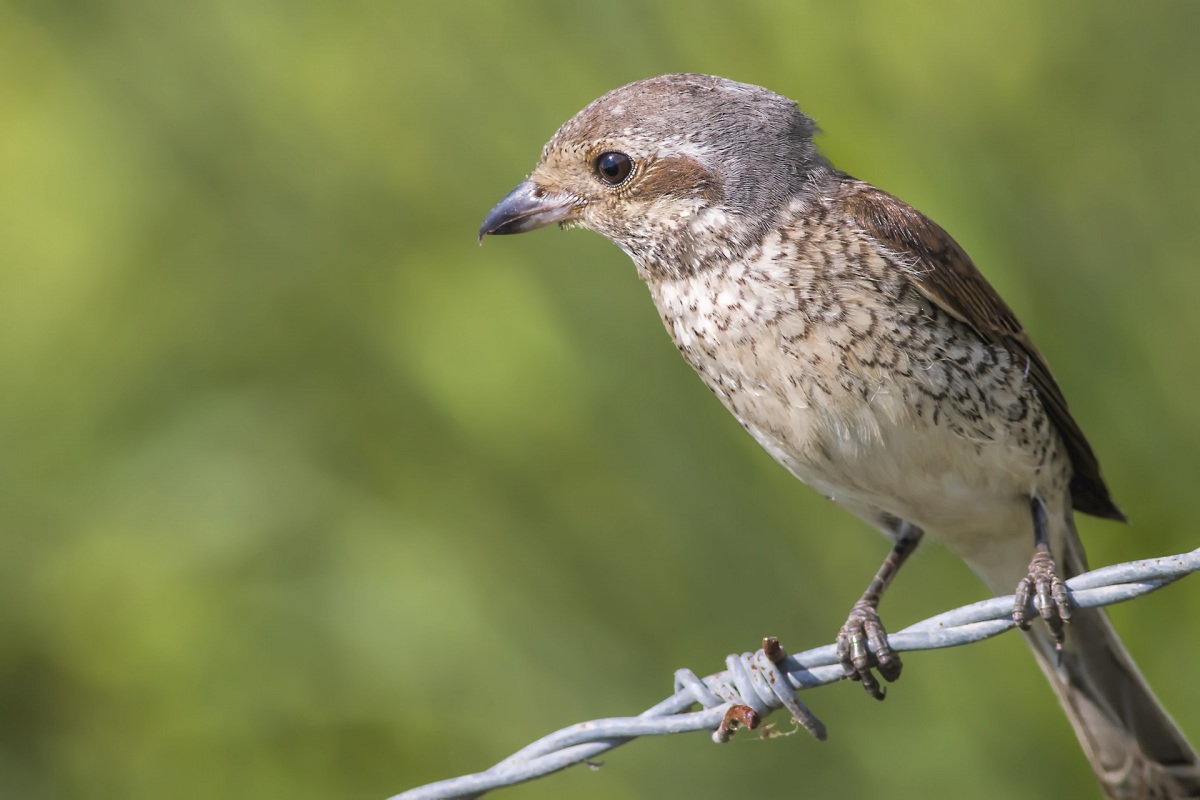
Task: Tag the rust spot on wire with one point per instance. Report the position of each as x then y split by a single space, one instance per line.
773 649
737 715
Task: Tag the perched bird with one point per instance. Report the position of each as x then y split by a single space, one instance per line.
857 342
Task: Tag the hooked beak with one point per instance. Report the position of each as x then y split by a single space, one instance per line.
526 208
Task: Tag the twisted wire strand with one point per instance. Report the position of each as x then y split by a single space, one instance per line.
755 684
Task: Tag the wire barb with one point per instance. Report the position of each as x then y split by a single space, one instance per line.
755 684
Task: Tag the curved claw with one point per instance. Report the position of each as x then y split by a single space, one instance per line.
1049 596
862 646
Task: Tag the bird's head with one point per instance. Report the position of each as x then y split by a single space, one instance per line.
670 169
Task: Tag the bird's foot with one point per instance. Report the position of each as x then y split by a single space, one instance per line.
1048 593
862 646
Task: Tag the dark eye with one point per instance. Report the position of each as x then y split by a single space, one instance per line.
613 167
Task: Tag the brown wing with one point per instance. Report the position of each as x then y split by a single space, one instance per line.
945 275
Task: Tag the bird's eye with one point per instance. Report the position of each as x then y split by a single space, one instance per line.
613 167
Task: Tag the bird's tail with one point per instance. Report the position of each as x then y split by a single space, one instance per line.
1135 748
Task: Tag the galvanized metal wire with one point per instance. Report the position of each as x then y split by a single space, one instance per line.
754 684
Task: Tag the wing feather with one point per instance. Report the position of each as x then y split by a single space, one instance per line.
945 275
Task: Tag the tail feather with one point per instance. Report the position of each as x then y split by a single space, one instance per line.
1135 748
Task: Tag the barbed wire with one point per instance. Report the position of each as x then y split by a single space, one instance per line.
756 684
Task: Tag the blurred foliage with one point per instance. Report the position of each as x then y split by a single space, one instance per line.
306 495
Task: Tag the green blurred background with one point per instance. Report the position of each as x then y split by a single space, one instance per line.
304 494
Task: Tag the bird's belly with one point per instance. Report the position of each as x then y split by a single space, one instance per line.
867 462
887 452
889 408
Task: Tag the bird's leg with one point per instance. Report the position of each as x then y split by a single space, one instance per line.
862 642
1042 582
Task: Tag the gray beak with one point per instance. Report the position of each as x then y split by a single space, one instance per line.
527 208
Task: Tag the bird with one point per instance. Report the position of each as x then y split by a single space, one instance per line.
858 343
